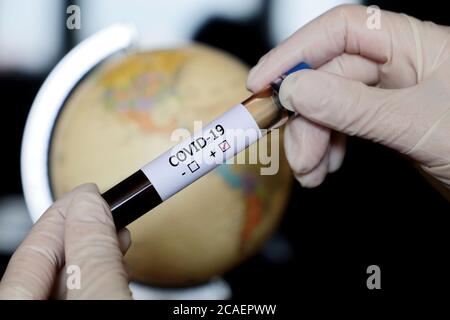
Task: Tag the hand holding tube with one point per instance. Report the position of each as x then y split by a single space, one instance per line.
76 230
390 85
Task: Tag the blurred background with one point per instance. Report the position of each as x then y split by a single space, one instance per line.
376 210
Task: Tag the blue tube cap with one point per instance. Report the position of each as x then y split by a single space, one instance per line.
277 83
300 66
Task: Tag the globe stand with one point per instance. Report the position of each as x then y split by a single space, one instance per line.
215 289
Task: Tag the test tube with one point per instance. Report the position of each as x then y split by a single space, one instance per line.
183 164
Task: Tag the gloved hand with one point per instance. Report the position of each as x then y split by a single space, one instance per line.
390 85
76 230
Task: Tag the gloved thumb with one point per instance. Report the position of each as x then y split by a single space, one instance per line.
352 107
92 246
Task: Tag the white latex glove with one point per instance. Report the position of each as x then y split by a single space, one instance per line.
390 85
76 230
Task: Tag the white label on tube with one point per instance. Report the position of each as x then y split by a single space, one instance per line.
191 159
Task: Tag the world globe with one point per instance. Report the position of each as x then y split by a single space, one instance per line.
122 115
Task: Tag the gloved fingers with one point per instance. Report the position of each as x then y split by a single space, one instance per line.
315 176
384 116
412 120
60 288
353 67
314 144
343 30
338 142
33 267
305 144
92 247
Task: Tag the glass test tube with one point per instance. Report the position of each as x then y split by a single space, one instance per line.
182 165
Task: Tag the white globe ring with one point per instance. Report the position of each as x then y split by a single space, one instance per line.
48 103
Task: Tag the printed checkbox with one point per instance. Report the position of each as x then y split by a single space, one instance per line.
193 166
224 145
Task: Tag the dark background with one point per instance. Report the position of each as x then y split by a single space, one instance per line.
377 209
